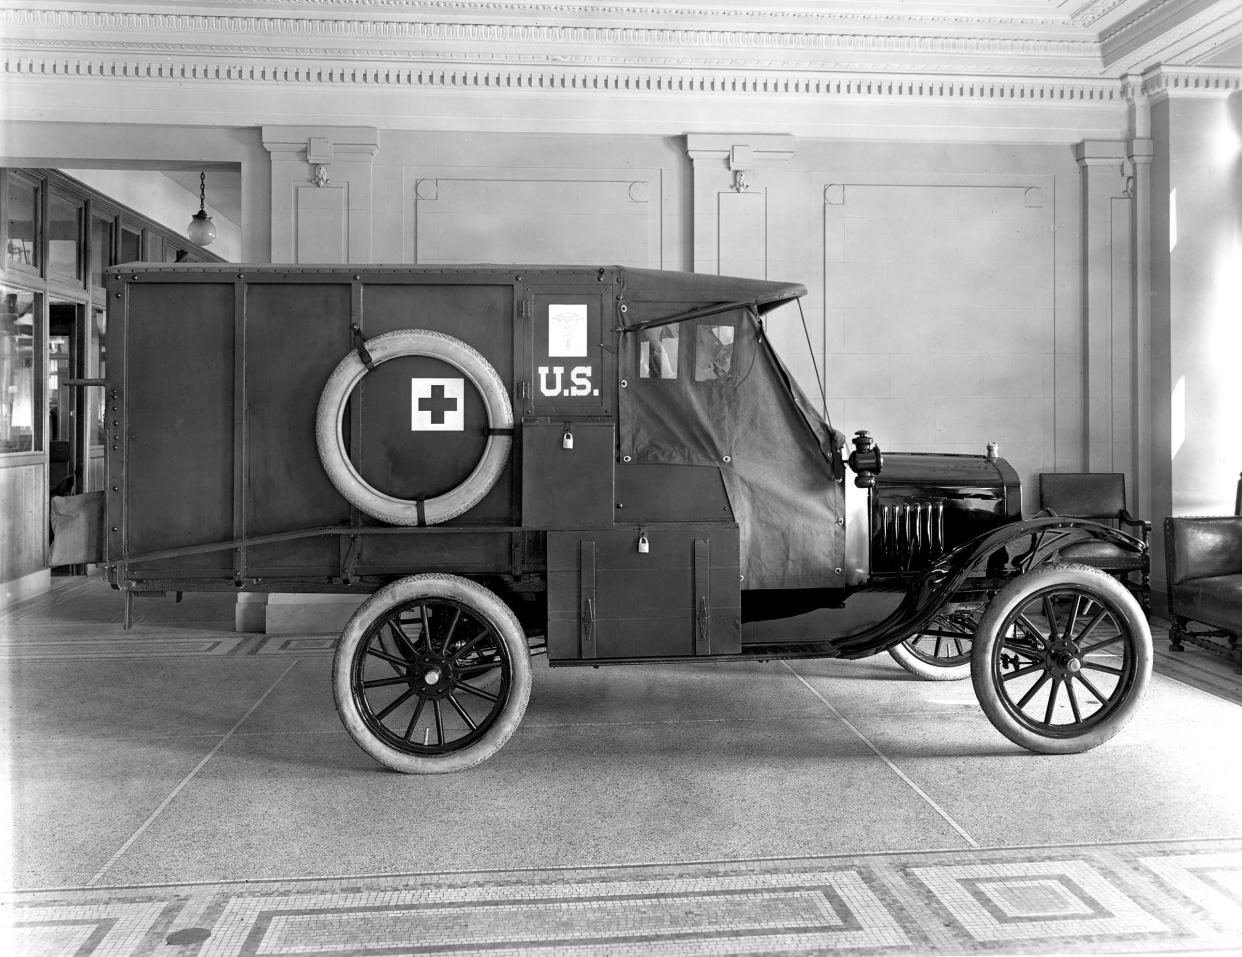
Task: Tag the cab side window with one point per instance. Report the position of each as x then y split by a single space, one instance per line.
713 352
658 352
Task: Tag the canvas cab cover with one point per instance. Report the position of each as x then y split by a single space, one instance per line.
702 385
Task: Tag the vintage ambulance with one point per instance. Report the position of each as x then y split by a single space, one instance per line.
611 465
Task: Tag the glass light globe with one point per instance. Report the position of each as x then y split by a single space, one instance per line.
201 230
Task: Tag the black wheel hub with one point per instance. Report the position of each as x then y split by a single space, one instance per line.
431 676
1063 659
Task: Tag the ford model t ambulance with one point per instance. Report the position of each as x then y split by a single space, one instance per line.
609 463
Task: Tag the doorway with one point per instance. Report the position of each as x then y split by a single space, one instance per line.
65 435
75 357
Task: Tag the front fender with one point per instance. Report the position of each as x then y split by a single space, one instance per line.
935 587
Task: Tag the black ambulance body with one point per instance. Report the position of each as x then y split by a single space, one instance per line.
611 463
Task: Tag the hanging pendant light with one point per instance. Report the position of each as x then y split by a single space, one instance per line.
201 230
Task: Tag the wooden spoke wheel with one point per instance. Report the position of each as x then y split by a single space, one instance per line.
942 650
432 674
1062 659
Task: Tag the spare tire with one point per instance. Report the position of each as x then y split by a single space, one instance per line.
329 434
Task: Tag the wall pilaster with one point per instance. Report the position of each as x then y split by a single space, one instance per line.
322 204
1108 339
733 173
1140 155
1192 258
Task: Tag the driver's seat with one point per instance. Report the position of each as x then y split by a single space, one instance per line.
1100 497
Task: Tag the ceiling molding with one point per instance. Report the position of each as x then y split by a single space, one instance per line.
1168 7
1141 43
1190 81
875 12
586 44
669 81
296 64
868 12
26 24
1092 13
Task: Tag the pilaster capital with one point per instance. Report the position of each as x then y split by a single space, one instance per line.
323 144
1100 152
740 151
1142 150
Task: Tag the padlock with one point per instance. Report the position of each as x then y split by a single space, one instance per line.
567 442
643 545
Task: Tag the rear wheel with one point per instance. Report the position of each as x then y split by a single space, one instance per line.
1062 659
432 674
941 651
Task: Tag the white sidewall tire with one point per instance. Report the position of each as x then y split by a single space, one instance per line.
482 602
924 669
329 435
1016 593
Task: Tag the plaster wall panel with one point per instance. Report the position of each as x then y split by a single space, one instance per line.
898 423
554 216
455 160
742 234
856 375
320 225
945 290
901 249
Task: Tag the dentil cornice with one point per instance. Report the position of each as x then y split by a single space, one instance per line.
1165 82
601 45
1057 91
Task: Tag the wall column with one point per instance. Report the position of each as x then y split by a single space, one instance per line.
1140 190
322 212
1107 334
322 207
1195 255
732 175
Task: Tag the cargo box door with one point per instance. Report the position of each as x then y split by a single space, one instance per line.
659 591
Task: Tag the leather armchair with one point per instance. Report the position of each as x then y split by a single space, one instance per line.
1204 566
1101 497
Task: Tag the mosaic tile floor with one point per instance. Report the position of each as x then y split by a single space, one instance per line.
1129 898
221 810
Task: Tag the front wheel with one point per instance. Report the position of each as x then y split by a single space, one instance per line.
1061 659
432 674
941 651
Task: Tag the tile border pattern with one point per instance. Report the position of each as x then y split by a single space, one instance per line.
1160 896
137 646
